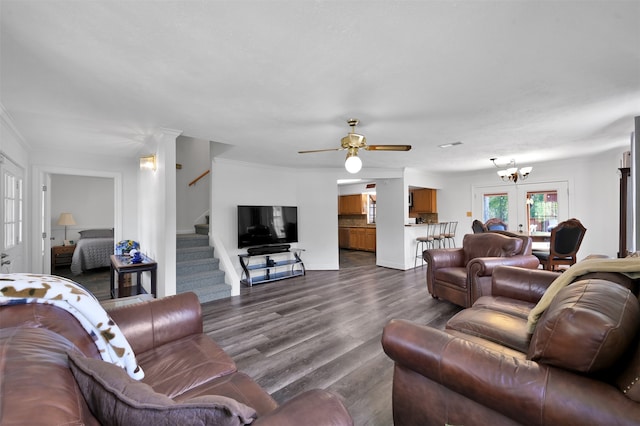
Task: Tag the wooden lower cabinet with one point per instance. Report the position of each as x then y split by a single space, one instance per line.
357 238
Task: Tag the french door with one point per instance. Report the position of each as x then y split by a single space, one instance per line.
11 217
528 208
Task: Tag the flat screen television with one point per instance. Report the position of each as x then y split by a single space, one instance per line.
265 225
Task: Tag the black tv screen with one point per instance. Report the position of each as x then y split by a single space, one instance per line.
264 225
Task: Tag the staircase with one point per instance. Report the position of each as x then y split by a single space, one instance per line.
197 269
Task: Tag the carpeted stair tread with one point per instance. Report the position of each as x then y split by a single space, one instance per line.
197 269
193 253
189 267
191 240
215 292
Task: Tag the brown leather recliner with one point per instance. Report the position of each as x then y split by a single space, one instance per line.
579 367
462 275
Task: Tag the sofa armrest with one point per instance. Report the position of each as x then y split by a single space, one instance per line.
153 323
314 408
523 284
484 266
523 390
444 258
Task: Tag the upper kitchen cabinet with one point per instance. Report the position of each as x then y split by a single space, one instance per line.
352 204
424 201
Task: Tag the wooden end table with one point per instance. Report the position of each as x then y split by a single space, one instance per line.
122 265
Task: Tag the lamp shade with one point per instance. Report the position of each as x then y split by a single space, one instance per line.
66 219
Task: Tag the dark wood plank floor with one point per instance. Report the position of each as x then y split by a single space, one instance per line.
323 331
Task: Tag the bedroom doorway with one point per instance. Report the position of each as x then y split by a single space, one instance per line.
55 185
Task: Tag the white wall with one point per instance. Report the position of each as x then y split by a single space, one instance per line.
89 199
593 197
192 202
391 215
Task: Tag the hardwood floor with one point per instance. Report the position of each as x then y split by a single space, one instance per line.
323 330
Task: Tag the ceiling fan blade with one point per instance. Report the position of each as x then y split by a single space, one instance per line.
388 147
319 150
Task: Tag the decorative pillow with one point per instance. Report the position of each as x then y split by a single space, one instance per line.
96 233
116 399
587 327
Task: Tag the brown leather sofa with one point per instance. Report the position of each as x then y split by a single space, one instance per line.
461 275
37 386
579 367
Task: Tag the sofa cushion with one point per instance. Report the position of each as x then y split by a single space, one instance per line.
490 245
116 399
587 327
481 322
184 364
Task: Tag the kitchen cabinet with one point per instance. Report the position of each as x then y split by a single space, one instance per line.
352 204
357 238
344 237
424 201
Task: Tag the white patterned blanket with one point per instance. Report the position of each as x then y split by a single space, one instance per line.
75 299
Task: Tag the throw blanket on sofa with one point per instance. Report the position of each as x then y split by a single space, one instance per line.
75 299
629 266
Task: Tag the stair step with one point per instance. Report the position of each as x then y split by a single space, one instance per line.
200 279
209 294
197 270
191 240
193 253
202 229
188 267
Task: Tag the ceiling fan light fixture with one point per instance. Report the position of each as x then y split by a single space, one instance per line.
353 163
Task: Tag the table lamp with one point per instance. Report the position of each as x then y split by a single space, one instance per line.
66 219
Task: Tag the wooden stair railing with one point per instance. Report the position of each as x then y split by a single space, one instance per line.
193 182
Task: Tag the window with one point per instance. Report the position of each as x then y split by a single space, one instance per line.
542 210
495 205
13 210
531 207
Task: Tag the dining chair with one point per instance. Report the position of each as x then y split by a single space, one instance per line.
495 224
478 227
565 242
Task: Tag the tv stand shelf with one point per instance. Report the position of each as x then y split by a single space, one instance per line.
271 266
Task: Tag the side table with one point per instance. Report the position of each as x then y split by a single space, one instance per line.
61 256
122 265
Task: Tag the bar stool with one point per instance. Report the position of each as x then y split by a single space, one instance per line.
439 236
450 235
421 242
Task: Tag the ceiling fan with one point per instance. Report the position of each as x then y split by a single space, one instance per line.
352 143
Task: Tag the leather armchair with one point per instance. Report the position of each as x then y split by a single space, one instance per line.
462 275
486 368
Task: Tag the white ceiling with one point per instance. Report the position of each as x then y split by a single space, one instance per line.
529 80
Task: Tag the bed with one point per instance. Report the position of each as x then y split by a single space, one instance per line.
93 250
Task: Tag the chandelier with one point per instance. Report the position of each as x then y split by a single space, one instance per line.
512 173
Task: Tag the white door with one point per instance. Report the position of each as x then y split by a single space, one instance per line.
11 217
511 203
